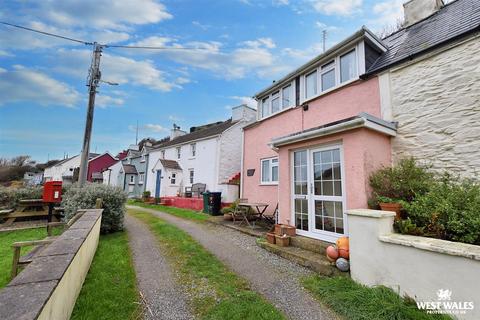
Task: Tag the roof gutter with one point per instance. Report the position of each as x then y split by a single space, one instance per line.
360 122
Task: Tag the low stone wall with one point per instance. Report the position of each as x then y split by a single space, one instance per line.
49 286
433 272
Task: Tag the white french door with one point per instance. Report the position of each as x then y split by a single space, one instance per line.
319 192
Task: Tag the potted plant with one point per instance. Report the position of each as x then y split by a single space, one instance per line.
283 240
270 237
146 196
389 204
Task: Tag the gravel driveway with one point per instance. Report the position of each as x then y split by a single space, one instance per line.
277 279
164 299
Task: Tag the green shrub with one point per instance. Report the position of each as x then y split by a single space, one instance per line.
231 208
9 197
146 194
404 181
114 200
450 210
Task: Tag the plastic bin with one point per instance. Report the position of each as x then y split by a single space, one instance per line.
215 203
206 206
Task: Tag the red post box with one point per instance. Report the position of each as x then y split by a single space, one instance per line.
52 192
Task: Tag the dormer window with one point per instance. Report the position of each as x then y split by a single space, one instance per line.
287 96
277 101
311 84
265 107
328 75
348 66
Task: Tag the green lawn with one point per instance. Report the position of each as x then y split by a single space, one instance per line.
217 292
179 212
357 302
109 291
6 251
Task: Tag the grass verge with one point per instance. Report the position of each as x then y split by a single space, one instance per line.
109 291
217 293
6 251
179 212
357 302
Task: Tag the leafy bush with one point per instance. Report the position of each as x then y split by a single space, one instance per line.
9 197
450 210
146 194
114 200
404 181
231 208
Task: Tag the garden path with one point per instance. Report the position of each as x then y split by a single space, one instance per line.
163 297
277 279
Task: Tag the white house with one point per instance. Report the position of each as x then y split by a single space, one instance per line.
112 174
64 170
209 154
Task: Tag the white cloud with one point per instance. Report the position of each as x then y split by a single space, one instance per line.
154 128
280 2
324 26
101 14
104 101
260 42
115 68
4 53
23 84
387 14
337 7
175 118
201 25
249 101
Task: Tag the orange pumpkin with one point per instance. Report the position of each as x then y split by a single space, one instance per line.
332 253
344 253
343 247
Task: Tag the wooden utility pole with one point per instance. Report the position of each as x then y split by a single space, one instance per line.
93 81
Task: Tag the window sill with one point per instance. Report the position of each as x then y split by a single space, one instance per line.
329 90
269 184
140 183
276 113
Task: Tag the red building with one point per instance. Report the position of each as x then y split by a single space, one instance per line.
97 165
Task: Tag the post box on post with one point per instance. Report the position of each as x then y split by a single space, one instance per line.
52 193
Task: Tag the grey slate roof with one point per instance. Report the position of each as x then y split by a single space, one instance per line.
451 22
129 169
170 164
210 130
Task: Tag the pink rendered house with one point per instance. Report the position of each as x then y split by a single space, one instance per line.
97 165
318 136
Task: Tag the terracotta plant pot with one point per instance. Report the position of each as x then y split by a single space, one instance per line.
227 217
282 241
281 229
271 238
392 206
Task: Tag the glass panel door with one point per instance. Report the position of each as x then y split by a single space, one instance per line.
327 191
300 189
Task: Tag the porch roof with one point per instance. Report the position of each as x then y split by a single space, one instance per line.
170 164
362 120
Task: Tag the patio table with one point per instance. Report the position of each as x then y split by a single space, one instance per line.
256 206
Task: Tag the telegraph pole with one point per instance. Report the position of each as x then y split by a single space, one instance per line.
324 39
93 82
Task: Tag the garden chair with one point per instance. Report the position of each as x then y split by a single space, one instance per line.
271 218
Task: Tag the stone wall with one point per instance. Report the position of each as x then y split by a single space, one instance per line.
417 267
49 286
436 102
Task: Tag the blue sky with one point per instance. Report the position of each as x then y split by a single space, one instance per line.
245 44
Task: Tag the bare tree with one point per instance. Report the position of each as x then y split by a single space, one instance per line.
390 28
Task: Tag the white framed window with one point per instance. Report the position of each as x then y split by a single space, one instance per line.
191 175
276 102
328 76
269 171
132 179
348 66
173 178
193 149
143 158
265 107
287 96
311 85
179 152
141 178
162 154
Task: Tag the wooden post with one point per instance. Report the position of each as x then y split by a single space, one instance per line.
99 203
16 259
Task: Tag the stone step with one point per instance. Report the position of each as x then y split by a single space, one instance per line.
312 260
309 244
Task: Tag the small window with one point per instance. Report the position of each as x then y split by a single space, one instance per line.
132 179
141 178
193 149
287 96
173 178
163 154
179 152
192 175
265 107
348 66
311 85
143 158
269 170
276 102
328 76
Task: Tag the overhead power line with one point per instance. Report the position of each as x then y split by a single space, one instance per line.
46 33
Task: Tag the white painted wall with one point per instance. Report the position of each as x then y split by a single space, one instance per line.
413 266
112 174
436 101
56 172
